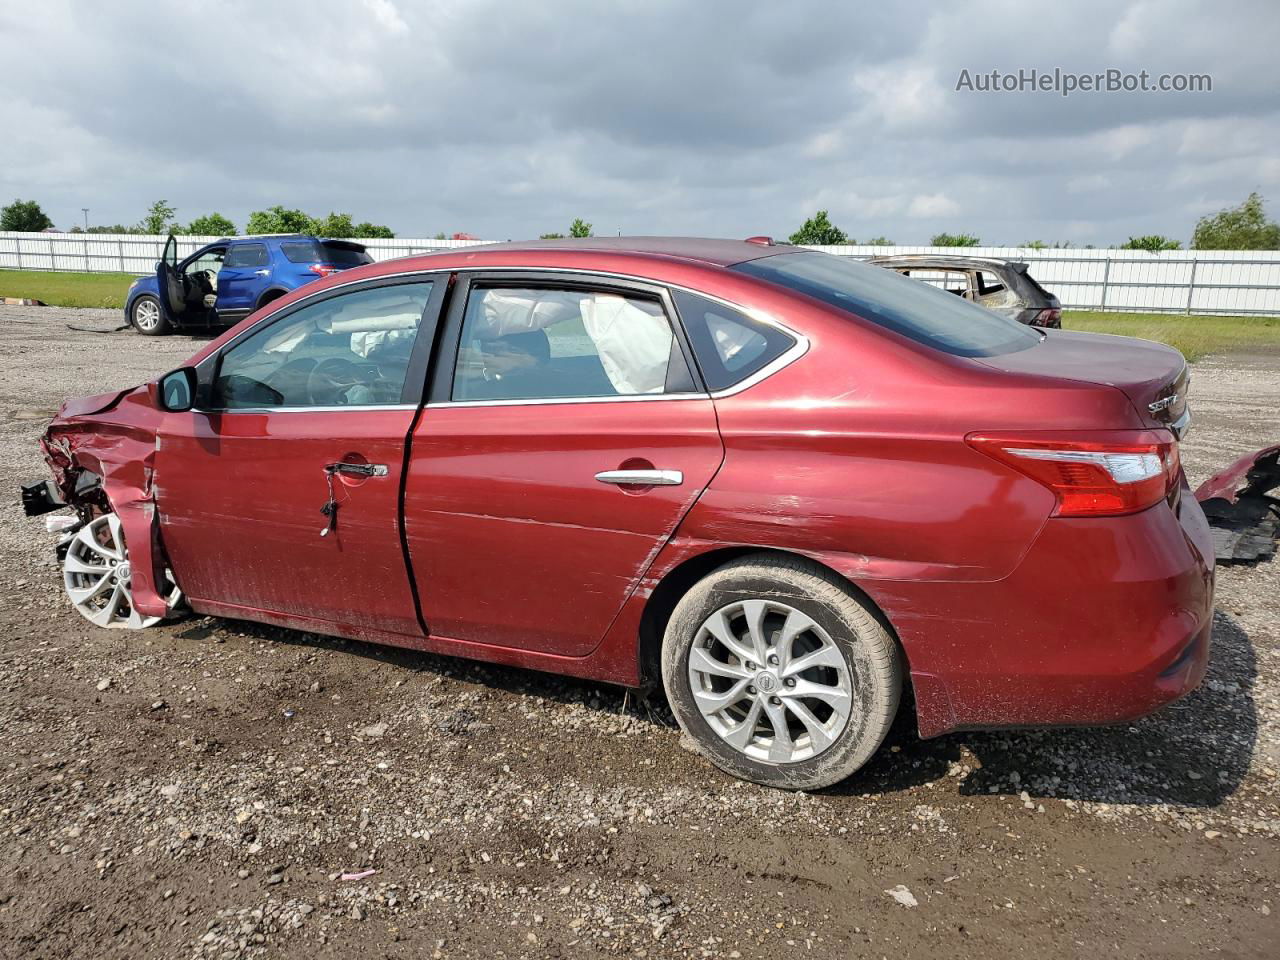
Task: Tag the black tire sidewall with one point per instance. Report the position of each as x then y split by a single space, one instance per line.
863 733
161 328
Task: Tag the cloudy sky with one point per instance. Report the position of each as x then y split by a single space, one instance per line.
725 119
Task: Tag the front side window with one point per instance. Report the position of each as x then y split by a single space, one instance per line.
247 255
730 346
544 343
350 350
902 304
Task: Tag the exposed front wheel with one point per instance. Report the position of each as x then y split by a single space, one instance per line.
147 317
779 674
98 577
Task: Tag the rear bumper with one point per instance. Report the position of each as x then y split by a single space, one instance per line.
1105 620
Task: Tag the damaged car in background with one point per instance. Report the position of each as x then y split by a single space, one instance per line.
1242 507
1004 286
781 486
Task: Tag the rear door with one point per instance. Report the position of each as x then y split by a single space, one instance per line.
565 439
313 404
245 274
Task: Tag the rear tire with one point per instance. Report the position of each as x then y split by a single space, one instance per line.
147 317
780 674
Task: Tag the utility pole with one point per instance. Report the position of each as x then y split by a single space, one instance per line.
86 219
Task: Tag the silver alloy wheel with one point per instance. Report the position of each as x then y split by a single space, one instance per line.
146 314
97 576
770 681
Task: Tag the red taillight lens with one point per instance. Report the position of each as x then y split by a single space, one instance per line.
1048 317
322 269
1103 475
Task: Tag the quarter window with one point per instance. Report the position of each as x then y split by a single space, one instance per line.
546 343
349 350
729 345
247 255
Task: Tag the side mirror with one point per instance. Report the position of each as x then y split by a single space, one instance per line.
177 390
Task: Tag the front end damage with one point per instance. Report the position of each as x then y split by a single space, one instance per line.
1241 508
101 451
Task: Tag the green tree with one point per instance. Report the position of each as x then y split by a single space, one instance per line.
24 215
1152 243
334 225
159 219
551 236
279 220
954 240
1245 227
211 225
1036 245
440 236
377 230
580 228
880 242
818 230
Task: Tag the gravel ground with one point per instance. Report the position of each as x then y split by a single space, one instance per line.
200 789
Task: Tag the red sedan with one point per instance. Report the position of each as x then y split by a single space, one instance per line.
780 483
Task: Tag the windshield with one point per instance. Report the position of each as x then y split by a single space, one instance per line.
914 309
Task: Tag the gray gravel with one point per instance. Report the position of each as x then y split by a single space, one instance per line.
200 789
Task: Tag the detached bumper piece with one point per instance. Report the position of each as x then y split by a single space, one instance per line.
41 497
1241 510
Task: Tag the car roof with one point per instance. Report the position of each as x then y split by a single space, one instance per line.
943 260
719 252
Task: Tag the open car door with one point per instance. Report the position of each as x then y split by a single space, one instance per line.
172 295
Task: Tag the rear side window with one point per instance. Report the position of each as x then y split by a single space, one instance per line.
729 345
906 306
247 255
324 251
546 343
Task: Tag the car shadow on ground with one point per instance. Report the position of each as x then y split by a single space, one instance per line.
1193 753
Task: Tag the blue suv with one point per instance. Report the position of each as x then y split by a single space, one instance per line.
222 283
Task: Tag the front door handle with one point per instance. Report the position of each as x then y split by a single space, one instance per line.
357 469
642 478
262 273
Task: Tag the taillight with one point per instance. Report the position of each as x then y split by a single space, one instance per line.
322 269
1048 317
1104 475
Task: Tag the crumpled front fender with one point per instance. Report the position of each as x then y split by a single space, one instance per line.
114 437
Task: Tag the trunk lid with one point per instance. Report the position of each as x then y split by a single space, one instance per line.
1153 376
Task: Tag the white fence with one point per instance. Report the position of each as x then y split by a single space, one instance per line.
1240 282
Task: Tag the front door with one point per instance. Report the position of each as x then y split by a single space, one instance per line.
309 408
565 440
244 276
172 294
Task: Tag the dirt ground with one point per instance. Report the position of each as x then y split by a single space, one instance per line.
196 790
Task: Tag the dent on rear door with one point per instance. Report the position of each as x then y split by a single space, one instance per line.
118 445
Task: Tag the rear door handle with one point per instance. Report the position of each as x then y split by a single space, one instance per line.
262 273
642 478
357 469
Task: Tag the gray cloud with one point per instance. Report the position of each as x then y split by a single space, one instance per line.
507 120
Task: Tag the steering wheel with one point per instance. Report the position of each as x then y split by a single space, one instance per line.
330 379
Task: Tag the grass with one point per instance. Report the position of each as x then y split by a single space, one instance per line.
1196 336
67 289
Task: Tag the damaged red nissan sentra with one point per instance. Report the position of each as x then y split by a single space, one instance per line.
781 483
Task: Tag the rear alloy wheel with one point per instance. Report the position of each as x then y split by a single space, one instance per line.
779 674
147 318
97 575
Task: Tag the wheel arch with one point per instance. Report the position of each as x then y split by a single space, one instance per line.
679 579
270 294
